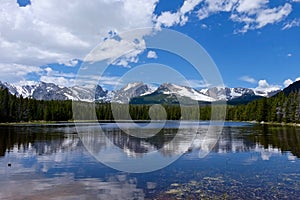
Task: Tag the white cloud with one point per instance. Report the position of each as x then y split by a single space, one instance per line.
48 75
263 84
24 82
152 54
248 79
251 6
289 55
261 15
264 88
60 31
63 31
71 63
291 24
220 5
270 16
204 26
110 80
169 19
15 72
195 84
189 5
251 14
60 81
120 49
287 82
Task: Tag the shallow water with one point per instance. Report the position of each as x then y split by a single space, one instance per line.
50 162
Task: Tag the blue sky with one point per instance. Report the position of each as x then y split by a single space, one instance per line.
254 43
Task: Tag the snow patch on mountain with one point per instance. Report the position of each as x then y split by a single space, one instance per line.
131 90
91 93
51 91
184 91
227 94
131 85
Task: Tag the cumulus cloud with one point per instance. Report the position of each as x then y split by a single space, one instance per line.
248 79
287 82
264 88
251 14
169 19
263 84
15 72
71 63
60 81
120 49
48 75
195 84
63 31
152 54
59 31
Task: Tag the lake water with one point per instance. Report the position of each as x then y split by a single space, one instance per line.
54 162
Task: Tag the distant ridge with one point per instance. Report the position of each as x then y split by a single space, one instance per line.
140 93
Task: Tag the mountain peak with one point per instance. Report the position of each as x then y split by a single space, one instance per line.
131 90
132 85
90 93
183 91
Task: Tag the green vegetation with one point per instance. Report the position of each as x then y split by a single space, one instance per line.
15 109
284 107
280 108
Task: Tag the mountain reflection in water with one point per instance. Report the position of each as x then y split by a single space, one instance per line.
47 139
50 162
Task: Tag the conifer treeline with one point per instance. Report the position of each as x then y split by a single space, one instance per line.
14 109
280 108
276 109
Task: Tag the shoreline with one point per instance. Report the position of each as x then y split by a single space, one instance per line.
273 123
128 121
78 121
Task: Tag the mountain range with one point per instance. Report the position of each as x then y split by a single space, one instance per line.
136 93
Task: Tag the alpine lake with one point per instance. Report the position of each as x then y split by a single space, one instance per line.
53 161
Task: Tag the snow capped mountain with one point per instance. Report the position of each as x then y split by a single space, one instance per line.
227 94
183 91
266 93
50 91
224 93
138 92
131 90
87 93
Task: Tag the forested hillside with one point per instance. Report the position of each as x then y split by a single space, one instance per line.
284 107
15 109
